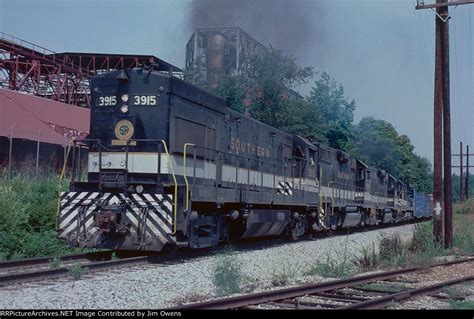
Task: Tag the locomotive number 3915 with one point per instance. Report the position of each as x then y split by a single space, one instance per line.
144 100
107 100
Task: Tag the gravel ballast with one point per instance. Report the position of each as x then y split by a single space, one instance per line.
155 286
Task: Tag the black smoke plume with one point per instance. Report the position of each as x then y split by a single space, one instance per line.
288 25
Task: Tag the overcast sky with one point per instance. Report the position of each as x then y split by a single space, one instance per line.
382 51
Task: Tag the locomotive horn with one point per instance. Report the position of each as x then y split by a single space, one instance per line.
122 75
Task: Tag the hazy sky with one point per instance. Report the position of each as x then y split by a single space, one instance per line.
382 51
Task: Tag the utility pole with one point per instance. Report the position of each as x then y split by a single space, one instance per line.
467 172
463 190
460 173
438 136
442 96
448 190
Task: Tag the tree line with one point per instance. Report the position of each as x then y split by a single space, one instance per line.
264 89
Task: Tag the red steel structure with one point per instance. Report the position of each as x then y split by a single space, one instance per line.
63 77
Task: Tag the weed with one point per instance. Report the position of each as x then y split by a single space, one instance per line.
283 275
462 305
464 237
113 256
227 274
453 293
393 288
424 247
329 268
466 207
391 250
77 272
54 263
369 260
250 284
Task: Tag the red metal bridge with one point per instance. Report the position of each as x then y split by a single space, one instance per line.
64 77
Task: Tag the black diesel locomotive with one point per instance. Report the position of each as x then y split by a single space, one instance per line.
170 165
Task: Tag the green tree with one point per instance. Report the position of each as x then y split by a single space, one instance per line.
378 143
336 109
264 90
268 80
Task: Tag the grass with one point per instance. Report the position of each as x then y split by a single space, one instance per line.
391 253
227 274
464 208
393 288
453 293
332 268
463 233
462 305
77 272
54 263
329 268
424 249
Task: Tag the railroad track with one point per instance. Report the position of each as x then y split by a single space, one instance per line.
35 269
361 292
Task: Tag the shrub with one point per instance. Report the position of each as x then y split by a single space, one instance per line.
28 217
227 275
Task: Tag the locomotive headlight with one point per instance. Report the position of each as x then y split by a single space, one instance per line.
139 189
124 108
125 98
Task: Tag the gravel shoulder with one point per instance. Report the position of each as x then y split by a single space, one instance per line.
155 286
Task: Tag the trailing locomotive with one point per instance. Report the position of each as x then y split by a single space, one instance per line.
170 165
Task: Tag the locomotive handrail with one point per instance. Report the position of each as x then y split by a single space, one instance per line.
97 142
158 164
175 208
186 207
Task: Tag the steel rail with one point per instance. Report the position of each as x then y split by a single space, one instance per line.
308 289
63 271
381 301
45 260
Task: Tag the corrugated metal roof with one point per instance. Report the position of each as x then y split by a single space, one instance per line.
30 117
